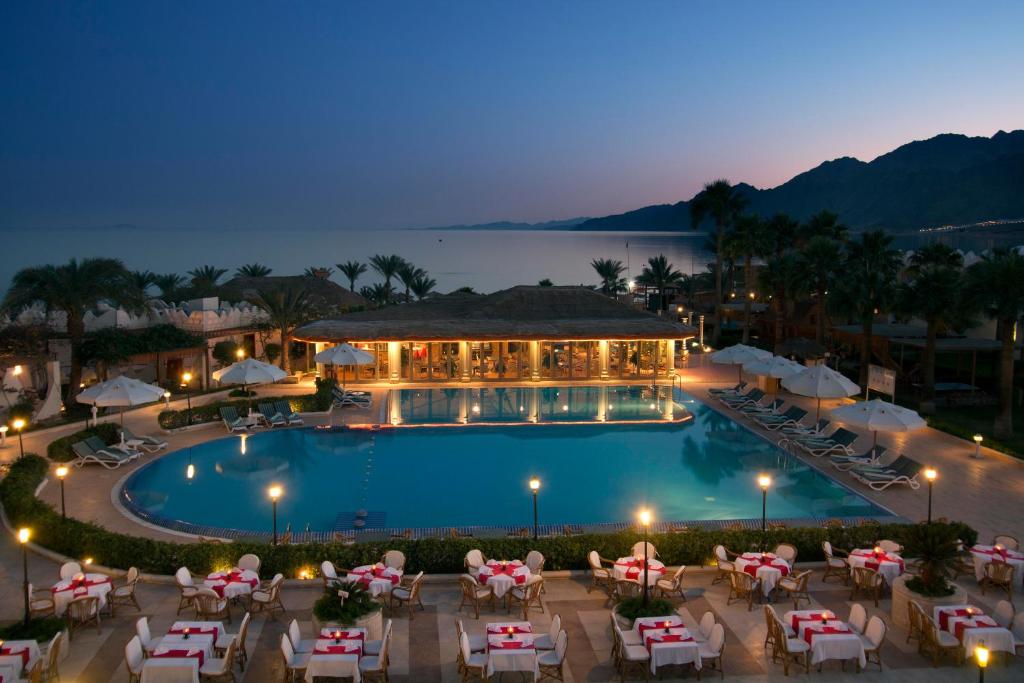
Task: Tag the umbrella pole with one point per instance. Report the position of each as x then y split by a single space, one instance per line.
874 441
817 411
740 373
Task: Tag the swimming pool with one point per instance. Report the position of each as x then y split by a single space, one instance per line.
701 469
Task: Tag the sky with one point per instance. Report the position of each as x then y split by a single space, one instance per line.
251 115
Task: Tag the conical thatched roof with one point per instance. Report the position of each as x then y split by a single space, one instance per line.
554 313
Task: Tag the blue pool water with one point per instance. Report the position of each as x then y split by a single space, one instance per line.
702 468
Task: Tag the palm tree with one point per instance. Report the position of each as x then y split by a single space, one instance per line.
73 289
996 286
204 278
821 255
407 274
286 308
661 274
748 238
141 280
785 277
423 286
351 270
322 272
169 285
378 293
387 267
782 232
721 202
822 224
610 271
867 286
934 293
253 270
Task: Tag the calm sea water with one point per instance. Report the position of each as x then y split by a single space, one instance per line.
484 260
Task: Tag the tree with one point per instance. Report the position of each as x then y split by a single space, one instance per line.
141 280
610 271
378 293
782 232
821 256
867 286
322 272
996 286
823 224
169 284
287 308
423 286
661 274
387 267
351 270
73 289
253 270
785 277
545 282
407 274
934 293
204 278
748 238
721 202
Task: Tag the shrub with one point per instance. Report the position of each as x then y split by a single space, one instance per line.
936 548
633 608
59 450
41 629
241 393
318 401
330 607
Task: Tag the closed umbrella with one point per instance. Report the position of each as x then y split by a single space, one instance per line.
879 416
820 382
739 354
249 371
344 354
120 392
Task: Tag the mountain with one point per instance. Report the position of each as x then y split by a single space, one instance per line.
511 225
945 180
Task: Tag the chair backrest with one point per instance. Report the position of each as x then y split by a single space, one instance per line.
229 413
638 550
1007 541
468 585
594 559
720 554
914 616
556 626
787 552
132 577
69 569
678 576
889 546
394 559
327 570
999 572
249 561
133 655
53 652
83 608
142 630
1018 627
717 638
294 634
1004 613
208 602
464 646
287 650
474 559
243 631
865 577
275 585
858 617
535 561
875 632
707 622
561 643
742 582
183 577
826 548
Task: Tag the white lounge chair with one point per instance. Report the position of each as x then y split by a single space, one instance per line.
107 458
284 409
231 419
148 443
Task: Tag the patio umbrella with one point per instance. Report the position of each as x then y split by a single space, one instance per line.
344 354
820 382
249 371
122 392
739 354
775 367
879 416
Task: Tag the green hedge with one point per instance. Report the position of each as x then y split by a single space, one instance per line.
318 401
59 450
74 538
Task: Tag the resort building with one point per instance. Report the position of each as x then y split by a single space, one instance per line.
525 333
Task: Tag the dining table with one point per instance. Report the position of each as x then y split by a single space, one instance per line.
765 566
503 575
889 565
186 647
984 554
971 625
336 654
829 637
632 569
376 578
77 586
668 641
510 647
17 656
233 583
168 670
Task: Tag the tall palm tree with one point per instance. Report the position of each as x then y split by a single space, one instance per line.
782 232
749 237
378 293
73 289
387 267
322 272
721 202
169 285
661 274
996 286
610 271
785 276
253 270
423 286
822 224
142 280
867 286
204 278
351 270
286 308
407 274
821 256
934 292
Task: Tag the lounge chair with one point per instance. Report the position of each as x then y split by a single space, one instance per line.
840 441
799 430
270 414
231 420
107 458
751 397
789 418
728 391
360 399
98 444
870 458
285 409
759 409
905 474
147 443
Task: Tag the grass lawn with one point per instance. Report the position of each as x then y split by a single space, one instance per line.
966 421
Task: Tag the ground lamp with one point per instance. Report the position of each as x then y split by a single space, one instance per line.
930 475
274 492
645 522
62 472
19 425
23 536
978 438
186 383
167 399
3 436
764 481
981 657
239 353
534 487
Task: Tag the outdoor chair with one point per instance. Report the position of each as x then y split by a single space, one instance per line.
858 620
752 397
787 552
133 659
998 575
725 564
756 409
295 664
231 419
40 603
1018 631
151 444
249 562
905 474
110 459
742 588
638 550
795 586
474 560
329 574
1006 541
210 606
600 573
285 409
546 641
835 566
142 632
790 649
868 582
939 643
1004 613
375 667
790 418
774 627
619 637
889 546
550 662
99 445
271 416
526 596
634 659
408 594
295 635
69 570
711 651
477 644
473 664
727 391
867 459
673 586
473 593
373 647
799 430
916 618
238 640
395 559
839 442
125 593
186 588
535 562
217 668
624 588
704 626
51 662
268 599
83 611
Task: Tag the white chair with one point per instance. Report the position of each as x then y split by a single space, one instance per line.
873 637
373 647
294 635
638 550
834 566
535 561
294 663
375 667
51 652
787 552
225 639
125 593
633 658
1004 613
472 662
474 559
329 574
476 643
210 606
409 594
148 642
394 559
725 565
705 626
889 546
674 585
600 576
186 587
858 617
219 667
133 659
270 599
1018 630
249 562
550 661
546 641
69 569
711 649
792 649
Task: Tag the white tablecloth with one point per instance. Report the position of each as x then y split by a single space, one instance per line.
495 575
8 674
890 567
982 555
522 658
769 574
63 593
14 660
825 646
979 627
632 569
682 651
196 628
377 584
335 665
220 581
170 671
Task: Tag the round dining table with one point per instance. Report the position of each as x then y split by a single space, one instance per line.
765 566
632 569
79 585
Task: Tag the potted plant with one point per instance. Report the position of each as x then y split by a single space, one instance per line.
349 605
935 548
633 608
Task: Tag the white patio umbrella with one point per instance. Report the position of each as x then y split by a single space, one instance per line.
249 371
820 382
122 392
879 416
344 354
739 354
775 367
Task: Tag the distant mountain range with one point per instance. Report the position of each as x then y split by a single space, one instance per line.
947 179
565 224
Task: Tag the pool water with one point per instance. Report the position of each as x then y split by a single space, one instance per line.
704 468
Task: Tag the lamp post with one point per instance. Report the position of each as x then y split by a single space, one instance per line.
19 425
534 488
764 481
274 492
62 472
167 399
645 522
930 475
981 657
978 438
3 436
239 353
186 382
23 535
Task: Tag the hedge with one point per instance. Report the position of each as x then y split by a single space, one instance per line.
75 538
59 450
318 401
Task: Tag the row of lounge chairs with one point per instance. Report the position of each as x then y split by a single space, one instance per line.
277 414
96 451
345 397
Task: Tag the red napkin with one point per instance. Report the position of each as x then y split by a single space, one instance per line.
198 654
672 623
978 622
83 585
495 630
195 630
797 618
337 650
328 634
23 652
825 630
946 614
509 645
667 638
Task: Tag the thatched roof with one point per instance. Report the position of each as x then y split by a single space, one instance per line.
322 292
554 313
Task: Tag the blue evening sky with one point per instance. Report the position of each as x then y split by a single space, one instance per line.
394 114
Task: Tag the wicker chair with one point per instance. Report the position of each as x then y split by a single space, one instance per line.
868 582
394 559
634 659
268 599
186 587
858 619
600 573
249 562
474 560
473 594
711 651
526 596
219 668
916 628
620 637
673 586
40 603
134 659
889 546
624 588
742 587
472 664
795 587
210 606
938 643
998 575
226 639
835 565
294 663
125 593
771 630
638 550
872 639
1007 541
408 594
791 650
725 564
51 665
787 552
82 612
550 662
